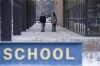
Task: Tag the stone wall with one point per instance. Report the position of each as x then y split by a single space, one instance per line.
59 11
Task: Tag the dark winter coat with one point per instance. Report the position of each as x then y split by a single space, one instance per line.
42 19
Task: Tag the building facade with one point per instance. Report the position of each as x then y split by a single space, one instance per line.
59 11
80 16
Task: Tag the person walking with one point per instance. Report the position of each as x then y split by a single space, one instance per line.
43 21
54 22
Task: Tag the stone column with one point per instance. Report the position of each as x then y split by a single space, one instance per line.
23 14
33 12
28 17
6 20
17 17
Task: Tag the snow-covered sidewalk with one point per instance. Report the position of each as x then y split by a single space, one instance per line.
34 34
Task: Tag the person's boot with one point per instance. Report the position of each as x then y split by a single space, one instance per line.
43 30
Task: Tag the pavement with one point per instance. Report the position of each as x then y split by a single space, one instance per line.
34 34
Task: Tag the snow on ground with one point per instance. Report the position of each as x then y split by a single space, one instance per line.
91 59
